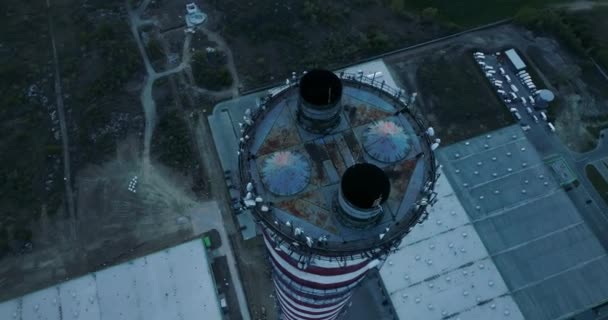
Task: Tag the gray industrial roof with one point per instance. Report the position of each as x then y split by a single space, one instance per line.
175 283
443 271
515 59
552 264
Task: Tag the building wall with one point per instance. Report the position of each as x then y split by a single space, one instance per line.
313 287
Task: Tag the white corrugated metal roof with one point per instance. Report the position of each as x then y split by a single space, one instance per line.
515 59
443 269
172 284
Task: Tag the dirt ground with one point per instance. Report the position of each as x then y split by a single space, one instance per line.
97 69
457 109
271 39
113 224
30 148
580 110
581 93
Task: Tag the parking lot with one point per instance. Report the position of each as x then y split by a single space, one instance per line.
516 89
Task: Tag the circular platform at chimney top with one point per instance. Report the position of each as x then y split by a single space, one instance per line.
298 173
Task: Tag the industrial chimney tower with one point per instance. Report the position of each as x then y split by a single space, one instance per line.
336 169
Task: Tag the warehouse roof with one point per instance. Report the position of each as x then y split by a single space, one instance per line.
551 262
517 62
442 269
172 284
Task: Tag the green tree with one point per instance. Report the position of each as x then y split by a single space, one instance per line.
429 13
3 240
526 16
23 233
155 50
602 56
397 5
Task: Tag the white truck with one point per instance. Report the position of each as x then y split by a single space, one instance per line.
517 115
514 88
551 126
543 115
508 78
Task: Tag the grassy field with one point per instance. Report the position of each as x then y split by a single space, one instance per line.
172 145
96 58
210 71
270 39
29 152
598 181
468 13
460 108
582 92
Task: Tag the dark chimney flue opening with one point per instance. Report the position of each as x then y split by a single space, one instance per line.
321 88
363 184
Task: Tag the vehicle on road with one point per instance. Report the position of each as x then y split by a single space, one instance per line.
517 115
